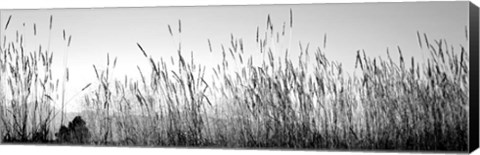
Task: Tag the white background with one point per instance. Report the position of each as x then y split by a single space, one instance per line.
36 4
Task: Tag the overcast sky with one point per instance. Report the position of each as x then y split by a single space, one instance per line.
349 27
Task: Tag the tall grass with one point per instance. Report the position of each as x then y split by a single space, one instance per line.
307 102
28 91
283 103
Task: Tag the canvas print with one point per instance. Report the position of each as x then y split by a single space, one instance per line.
365 76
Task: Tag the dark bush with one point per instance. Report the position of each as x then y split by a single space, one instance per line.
76 132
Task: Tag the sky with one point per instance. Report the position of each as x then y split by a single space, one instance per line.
349 27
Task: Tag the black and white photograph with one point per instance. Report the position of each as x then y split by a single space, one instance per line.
386 76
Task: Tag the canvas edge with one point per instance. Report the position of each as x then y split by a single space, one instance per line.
474 77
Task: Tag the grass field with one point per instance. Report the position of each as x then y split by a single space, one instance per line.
305 102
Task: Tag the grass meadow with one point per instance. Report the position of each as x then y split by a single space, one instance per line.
285 102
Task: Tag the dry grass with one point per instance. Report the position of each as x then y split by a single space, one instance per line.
304 103
28 92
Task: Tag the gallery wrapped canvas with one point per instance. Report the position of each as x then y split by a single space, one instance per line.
365 76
